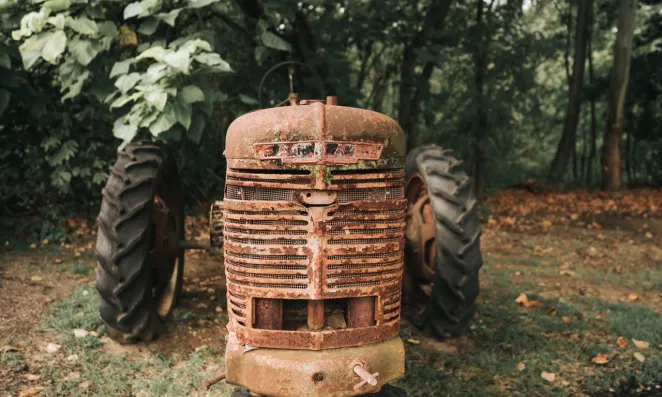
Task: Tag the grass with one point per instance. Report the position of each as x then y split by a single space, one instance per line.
100 373
506 334
503 335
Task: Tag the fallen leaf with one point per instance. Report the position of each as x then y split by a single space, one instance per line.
641 344
633 297
551 312
600 359
548 376
203 347
80 333
30 392
566 319
32 377
521 367
219 309
57 261
649 235
523 300
621 342
36 278
413 341
52 347
33 245
73 357
639 357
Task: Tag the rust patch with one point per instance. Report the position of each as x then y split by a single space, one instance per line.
312 152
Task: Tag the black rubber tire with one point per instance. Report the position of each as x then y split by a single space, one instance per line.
387 391
451 305
124 275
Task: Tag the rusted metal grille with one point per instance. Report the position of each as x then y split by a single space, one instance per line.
280 222
259 193
364 283
381 193
276 241
267 257
265 267
365 240
283 247
360 266
266 232
363 231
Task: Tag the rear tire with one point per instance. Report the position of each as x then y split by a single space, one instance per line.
442 281
138 287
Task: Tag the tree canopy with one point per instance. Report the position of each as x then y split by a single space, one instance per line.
491 79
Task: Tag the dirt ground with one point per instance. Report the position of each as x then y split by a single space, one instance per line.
591 289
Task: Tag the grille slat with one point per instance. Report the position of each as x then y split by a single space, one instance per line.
365 241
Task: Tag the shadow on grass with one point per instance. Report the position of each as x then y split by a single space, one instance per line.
557 337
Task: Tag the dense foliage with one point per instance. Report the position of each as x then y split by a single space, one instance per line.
78 78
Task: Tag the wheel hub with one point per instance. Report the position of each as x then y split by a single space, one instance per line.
165 254
420 233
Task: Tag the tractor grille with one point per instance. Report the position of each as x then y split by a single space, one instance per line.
279 248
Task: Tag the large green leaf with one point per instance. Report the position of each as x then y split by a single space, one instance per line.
108 29
213 59
274 41
76 87
200 3
155 72
54 47
165 121
127 82
125 132
169 17
31 49
191 94
156 52
149 26
57 5
180 60
157 99
121 67
5 95
83 25
133 10
84 51
183 113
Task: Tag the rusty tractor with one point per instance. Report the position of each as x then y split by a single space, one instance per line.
324 224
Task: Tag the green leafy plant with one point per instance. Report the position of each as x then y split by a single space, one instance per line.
154 83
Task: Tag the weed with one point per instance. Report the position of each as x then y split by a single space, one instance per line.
79 269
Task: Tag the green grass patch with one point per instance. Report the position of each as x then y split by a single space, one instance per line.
93 372
506 334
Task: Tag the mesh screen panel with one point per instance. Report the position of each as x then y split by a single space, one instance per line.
268 257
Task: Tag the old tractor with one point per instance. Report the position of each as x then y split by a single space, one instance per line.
325 222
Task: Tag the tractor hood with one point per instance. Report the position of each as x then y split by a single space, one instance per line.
314 133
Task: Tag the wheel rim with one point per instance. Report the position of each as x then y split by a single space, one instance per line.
420 233
165 256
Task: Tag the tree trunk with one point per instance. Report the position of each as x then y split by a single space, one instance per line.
410 82
480 122
620 75
569 137
594 121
